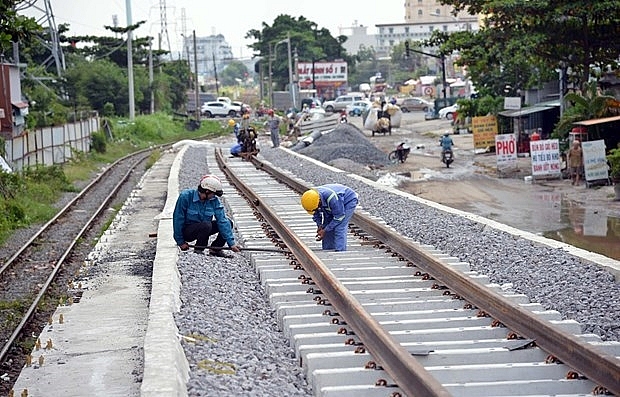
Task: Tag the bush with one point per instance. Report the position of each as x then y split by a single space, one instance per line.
98 142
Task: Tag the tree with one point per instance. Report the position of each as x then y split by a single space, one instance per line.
311 44
14 27
589 104
233 72
523 42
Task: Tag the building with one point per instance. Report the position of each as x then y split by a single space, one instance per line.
13 109
357 37
422 17
213 53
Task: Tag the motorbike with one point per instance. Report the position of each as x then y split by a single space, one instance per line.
343 117
447 158
400 154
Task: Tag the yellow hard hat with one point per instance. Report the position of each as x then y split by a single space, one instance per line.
310 200
231 123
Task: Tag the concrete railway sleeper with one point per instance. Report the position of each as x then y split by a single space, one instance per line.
399 271
387 317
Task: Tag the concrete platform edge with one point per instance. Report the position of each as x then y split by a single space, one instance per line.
162 341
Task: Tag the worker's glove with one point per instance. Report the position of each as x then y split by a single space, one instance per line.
320 233
184 247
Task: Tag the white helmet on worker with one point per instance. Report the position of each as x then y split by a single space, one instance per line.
310 200
211 183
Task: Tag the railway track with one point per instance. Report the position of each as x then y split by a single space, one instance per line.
390 317
35 278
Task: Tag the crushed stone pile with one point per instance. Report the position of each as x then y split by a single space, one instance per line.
346 141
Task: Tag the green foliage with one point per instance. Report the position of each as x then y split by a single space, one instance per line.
108 109
234 70
98 142
586 105
310 42
28 196
14 27
524 42
614 162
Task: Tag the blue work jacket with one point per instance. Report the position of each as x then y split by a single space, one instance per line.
334 199
189 209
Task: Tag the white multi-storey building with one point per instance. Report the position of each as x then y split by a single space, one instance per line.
212 54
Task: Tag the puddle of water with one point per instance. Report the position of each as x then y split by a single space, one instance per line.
589 229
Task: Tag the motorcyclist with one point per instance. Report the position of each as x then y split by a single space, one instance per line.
402 151
446 144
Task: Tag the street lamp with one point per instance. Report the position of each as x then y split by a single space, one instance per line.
443 69
290 69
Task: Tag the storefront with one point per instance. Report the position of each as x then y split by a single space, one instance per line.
607 129
525 122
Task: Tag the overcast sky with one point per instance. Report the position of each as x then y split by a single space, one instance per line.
212 17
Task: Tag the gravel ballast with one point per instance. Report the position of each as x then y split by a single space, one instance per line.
239 327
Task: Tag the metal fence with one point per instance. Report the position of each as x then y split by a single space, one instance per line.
50 145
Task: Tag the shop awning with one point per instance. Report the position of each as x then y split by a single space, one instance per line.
603 120
524 111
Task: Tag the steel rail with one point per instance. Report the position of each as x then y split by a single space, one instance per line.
406 371
588 360
64 209
57 266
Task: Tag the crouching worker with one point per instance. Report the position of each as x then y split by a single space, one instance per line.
331 207
199 214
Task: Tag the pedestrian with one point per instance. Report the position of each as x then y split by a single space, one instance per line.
274 127
331 207
199 214
575 161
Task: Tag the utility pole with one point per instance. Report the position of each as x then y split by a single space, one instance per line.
132 110
198 104
151 78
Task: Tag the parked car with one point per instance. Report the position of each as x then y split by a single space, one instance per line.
217 108
358 108
410 104
448 112
341 102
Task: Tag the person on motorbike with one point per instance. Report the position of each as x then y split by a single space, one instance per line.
402 151
446 144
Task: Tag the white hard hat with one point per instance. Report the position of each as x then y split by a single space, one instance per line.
211 183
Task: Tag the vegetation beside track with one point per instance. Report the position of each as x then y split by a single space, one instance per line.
28 197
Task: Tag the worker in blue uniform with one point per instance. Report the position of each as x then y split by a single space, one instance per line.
199 214
331 207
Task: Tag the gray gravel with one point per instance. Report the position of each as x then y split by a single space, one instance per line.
236 326
552 277
225 307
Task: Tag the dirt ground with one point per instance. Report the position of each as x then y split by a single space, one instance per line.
473 184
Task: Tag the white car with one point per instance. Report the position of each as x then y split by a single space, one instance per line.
448 112
217 108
